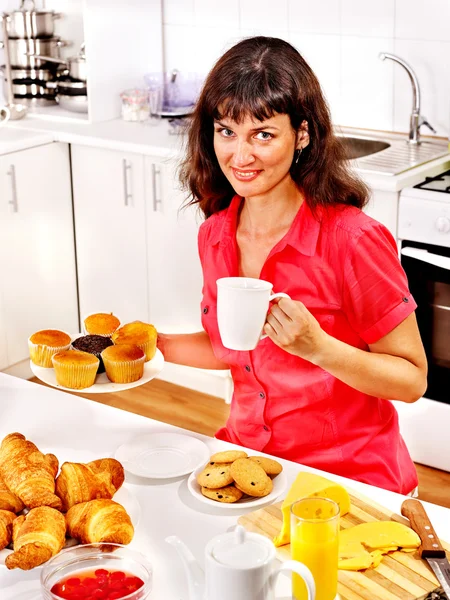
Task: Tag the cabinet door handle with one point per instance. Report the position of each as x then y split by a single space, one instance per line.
128 197
14 202
156 173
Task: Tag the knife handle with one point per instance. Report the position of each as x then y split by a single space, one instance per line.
431 547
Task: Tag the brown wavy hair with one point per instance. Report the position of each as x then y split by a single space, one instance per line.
261 77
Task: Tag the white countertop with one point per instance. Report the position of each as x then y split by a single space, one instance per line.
145 139
68 425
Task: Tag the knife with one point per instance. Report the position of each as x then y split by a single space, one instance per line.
431 548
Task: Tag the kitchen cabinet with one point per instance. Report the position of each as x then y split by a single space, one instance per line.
110 232
174 271
37 258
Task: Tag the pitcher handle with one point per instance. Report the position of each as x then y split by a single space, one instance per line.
300 569
272 297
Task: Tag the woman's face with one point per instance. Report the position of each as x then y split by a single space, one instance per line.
255 156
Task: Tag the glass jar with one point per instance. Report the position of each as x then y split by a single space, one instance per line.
135 105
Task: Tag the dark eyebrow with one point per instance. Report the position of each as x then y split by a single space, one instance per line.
254 129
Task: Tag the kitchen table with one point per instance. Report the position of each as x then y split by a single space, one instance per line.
67 425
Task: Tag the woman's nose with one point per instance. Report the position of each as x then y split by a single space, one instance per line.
243 154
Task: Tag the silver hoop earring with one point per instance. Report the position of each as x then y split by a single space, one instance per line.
299 151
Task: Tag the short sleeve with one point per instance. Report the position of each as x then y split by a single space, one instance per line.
376 297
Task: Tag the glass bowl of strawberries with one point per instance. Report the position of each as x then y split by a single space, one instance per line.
101 571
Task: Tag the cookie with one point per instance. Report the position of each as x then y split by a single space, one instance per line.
226 494
215 476
250 477
270 466
228 456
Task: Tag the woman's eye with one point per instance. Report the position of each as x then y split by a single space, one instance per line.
265 135
224 132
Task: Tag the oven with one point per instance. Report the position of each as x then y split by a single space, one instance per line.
424 246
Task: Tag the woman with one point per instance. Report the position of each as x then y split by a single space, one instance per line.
281 205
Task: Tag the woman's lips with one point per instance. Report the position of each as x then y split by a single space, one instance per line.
245 175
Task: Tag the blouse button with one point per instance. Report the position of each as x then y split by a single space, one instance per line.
262 395
405 299
265 428
247 368
205 310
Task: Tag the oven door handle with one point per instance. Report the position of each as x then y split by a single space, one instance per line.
437 260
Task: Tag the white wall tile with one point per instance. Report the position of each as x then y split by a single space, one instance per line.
323 54
178 12
314 17
433 73
259 14
367 84
217 14
368 18
423 20
195 49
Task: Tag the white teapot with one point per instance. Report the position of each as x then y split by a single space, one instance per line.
238 565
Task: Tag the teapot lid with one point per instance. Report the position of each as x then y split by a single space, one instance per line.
240 549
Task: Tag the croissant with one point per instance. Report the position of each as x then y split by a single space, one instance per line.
109 465
36 537
6 522
78 483
28 473
8 500
99 521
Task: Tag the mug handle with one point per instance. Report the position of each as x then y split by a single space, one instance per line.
296 567
272 297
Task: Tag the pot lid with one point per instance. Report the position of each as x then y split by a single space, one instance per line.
242 550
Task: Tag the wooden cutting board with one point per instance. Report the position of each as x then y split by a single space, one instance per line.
400 576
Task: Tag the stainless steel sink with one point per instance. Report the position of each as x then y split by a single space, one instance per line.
389 154
356 147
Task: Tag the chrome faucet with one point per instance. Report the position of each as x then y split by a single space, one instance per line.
416 119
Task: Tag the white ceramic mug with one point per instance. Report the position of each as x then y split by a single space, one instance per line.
4 115
242 305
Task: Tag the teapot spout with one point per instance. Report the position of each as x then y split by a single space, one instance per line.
194 573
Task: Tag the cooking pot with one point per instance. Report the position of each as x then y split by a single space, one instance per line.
34 74
76 65
71 95
32 23
24 52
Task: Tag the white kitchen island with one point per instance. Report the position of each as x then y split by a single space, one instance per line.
68 425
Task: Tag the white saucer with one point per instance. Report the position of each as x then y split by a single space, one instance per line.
163 455
102 384
279 486
123 496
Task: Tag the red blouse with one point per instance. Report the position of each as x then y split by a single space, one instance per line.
344 267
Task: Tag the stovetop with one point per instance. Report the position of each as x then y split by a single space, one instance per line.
439 183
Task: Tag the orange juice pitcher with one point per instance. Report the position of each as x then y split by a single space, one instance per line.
314 542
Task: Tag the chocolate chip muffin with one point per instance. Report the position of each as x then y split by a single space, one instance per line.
94 344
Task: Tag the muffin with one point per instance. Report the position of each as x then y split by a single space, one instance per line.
44 344
140 334
101 324
124 363
75 369
94 344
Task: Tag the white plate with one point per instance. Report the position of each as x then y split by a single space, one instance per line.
279 486
123 497
102 384
163 455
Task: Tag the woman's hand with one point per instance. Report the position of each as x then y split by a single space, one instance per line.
292 327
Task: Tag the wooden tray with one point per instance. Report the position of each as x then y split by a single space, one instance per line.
400 576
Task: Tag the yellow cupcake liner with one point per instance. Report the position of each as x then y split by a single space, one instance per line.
76 376
149 348
124 371
41 355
